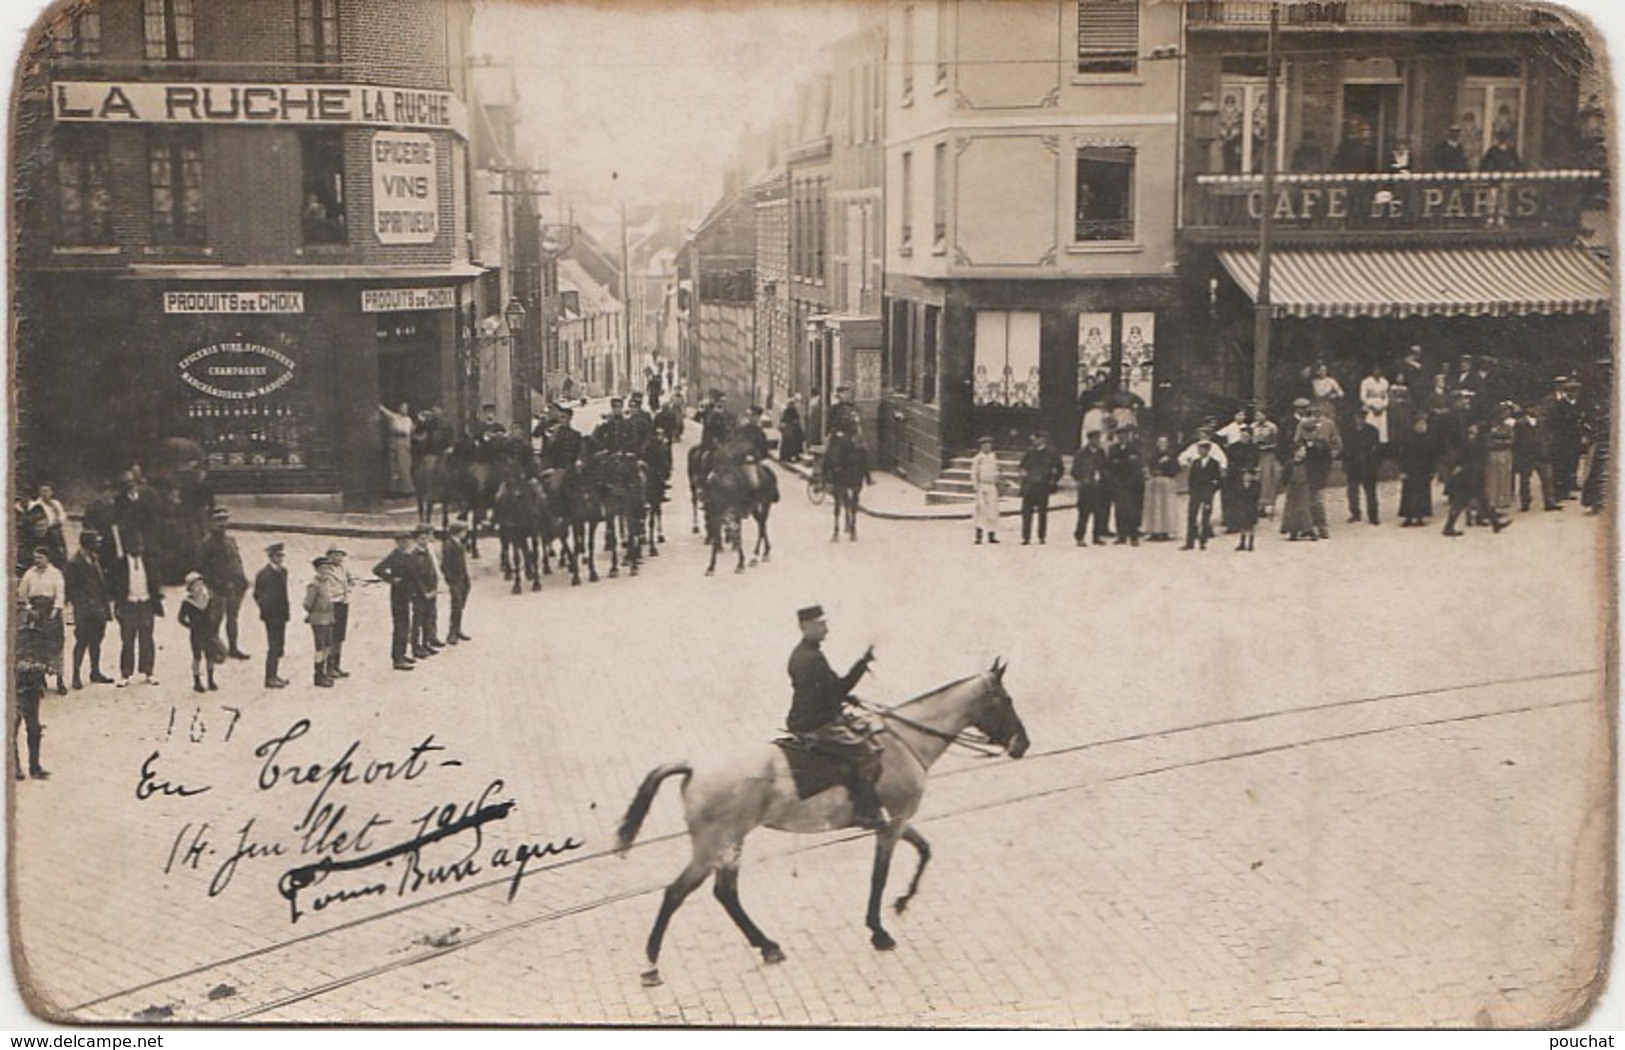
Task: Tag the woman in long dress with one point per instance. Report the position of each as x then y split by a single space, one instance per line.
398 451
1418 459
1498 467
1374 390
1296 520
1159 517
1266 436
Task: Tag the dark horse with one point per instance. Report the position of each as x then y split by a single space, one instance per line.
699 465
522 518
721 806
580 508
469 477
846 468
618 479
656 458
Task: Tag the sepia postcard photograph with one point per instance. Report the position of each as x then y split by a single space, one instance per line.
911 514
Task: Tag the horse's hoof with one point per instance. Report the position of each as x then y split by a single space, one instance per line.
767 557
882 941
755 561
517 589
576 582
772 953
710 572
899 904
535 585
739 568
613 573
651 979
696 530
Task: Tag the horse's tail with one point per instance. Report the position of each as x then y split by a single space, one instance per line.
633 821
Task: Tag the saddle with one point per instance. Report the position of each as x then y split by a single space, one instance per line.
814 771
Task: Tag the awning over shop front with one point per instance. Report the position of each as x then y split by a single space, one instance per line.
1452 282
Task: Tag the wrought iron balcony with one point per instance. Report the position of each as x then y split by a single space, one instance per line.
1375 14
1379 204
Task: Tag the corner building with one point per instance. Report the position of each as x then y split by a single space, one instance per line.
1031 188
243 224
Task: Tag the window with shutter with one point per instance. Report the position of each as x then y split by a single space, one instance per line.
1108 36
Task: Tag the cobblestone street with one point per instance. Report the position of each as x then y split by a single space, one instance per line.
1361 782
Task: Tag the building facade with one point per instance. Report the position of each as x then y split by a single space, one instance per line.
1433 167
1031 189
846 344
242 224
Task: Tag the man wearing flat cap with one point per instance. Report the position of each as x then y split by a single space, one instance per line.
222 567
818 714
92 606
271 595
425 597
1041 470
454 566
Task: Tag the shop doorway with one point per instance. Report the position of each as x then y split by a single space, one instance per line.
408 362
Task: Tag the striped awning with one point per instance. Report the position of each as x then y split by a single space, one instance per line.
1422 282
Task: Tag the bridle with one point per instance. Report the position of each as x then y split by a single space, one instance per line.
974 743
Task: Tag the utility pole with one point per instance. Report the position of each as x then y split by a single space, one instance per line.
626 298
1261 302
523 249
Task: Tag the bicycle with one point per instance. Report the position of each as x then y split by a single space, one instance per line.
816 488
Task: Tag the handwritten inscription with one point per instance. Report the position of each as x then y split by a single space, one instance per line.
339 850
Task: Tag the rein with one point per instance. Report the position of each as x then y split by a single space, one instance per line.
960 739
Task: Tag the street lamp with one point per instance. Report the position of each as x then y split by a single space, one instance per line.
514 317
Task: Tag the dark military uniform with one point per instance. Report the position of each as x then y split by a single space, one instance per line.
397 570
818 714
222 567
86 586
752 439
271 595
425 613
561 448
454 565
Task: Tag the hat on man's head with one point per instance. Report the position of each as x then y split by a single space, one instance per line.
986 440
810 613
617 400
219 514
320 560
191 577
457 526
423 529
1300 402
43 550
336 552
403 534
88 535
275 548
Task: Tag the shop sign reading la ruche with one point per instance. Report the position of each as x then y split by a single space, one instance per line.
236 371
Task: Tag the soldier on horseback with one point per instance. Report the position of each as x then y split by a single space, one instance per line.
750 438
819 716
561 445
639 425
716 423
606 436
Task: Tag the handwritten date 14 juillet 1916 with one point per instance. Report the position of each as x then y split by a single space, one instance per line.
348 858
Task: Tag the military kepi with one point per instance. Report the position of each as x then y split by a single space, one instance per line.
810 613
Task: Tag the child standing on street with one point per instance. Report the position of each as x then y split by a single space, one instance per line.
201 615
319 614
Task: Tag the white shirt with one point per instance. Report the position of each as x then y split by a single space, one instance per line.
139 592
43 583
55 513
1191 454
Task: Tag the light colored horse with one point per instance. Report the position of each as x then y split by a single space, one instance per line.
724 805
